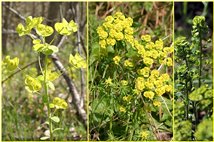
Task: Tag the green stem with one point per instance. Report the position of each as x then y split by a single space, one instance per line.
48 97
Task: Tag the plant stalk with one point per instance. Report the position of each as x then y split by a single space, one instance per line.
48 97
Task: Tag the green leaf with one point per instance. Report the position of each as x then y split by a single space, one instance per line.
44 138
53 48
55 119
57 129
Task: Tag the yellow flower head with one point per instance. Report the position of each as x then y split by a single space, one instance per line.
11 64
122 109
168 88
108 81
155 73
156 103
139 83
102 43
158 83
145 71
110 41
146 38
149 85
127 98
124 82
144 134
168 61
159 44
164 77
149 94
160 91
128 63
117 59
109 19
148 61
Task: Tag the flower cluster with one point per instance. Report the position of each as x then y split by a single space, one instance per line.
115 28
58 103
149 81
32 84
11 64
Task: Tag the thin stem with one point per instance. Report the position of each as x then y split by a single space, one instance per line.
48 97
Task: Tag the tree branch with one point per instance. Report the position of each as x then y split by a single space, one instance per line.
18 71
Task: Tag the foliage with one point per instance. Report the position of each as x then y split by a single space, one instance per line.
40 84
193 100
131 91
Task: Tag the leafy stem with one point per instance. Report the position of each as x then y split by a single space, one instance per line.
48 97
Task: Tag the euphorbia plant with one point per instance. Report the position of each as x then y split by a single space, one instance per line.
44 81
193 89
132 81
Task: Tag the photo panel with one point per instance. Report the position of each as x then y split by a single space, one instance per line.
44 57
193 76
130 71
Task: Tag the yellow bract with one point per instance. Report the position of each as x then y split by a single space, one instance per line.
77 61
11 64
116 59
58 103
156 103
144 134
32 84
108 81
128 63
149 94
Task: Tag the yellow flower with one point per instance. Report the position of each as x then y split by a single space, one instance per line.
108 81
145 71
149 94
119 36
160 91
128 63
149 85
159 44
154 54
109 19
155 73
124 82
118 14
164 77
168 50
144 134
117 59
129 38
146 38
136 91
156 103
32 84
102 33
11 64
129 30
168 88
122 109
148 61
127 98
139 83
168 61
150 45
158 83
102 43
111 41
112 33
